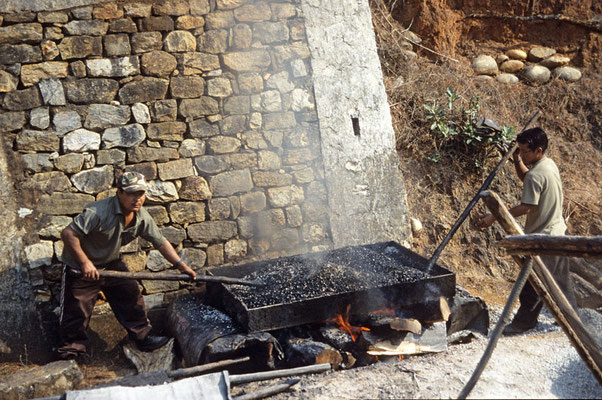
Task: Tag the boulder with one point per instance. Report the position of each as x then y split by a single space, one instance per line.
21 100
214 41
194 188
484 65
195 108
21 33
536 74
540 53
161 192
567 73
512 66
146 41
173 131
506 78
557 60
117 45
517 54
19 53
87 27
186 87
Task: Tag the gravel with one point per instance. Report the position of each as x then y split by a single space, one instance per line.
299 278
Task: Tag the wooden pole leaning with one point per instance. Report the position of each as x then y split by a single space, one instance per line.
546 287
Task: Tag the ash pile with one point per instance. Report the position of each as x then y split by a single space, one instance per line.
347 307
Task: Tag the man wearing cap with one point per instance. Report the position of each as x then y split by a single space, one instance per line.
92 242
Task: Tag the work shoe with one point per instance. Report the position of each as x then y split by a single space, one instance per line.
515 329
151 342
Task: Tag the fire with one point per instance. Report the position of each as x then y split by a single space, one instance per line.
342 322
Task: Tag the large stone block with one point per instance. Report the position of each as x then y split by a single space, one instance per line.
69 163
19 53
200 128
210 165
117 45
122 25
81 140
197 63
214 41
192 148
162 23
195 108
94 180
142 154
179 41
186 87
8 82
63 203
219 87
66 121
119 67
223 144
248 61
237 105
212 231
21 100
161 192
148 169
36 162
87 90
80 47
186 22
271 32
194 188
219 20
12 121
279 120
112 157
252 202
173 131
257 12
177 169
285 196
90 27
187 212
231 182
106 115
158 63
48 380
123 136
52 92
146 41
137 10
164 110
146 89
21 33
199 7
31 140
271 179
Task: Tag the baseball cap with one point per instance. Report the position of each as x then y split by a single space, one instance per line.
132 182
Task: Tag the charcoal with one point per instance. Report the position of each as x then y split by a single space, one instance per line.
299 278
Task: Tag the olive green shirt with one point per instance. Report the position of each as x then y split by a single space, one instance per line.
543 189
101 231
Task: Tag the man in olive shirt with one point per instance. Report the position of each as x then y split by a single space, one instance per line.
92 242
541 201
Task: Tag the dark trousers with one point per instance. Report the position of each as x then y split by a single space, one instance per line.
78 297
530 304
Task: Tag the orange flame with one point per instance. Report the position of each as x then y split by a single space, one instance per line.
342 322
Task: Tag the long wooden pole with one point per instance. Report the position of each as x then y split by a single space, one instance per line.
571 246
279 373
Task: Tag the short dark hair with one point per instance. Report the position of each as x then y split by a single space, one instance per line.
534 138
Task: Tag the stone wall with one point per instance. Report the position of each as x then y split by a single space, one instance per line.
213 101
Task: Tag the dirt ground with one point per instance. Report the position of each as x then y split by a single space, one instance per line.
541 364
538 365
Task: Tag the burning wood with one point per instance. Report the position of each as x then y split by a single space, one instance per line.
432 339
301 351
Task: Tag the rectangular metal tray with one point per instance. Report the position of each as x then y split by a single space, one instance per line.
424 294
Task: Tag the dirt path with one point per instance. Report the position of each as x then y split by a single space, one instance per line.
542 364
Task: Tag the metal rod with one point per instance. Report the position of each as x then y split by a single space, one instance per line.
475 199
499 327
279 373
272 390
168 277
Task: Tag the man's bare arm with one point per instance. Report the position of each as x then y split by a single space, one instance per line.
516 211
73 245
167 250
519 166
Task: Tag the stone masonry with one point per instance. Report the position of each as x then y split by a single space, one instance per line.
217 103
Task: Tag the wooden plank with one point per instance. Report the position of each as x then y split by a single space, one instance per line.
553 252
570 244
544 284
